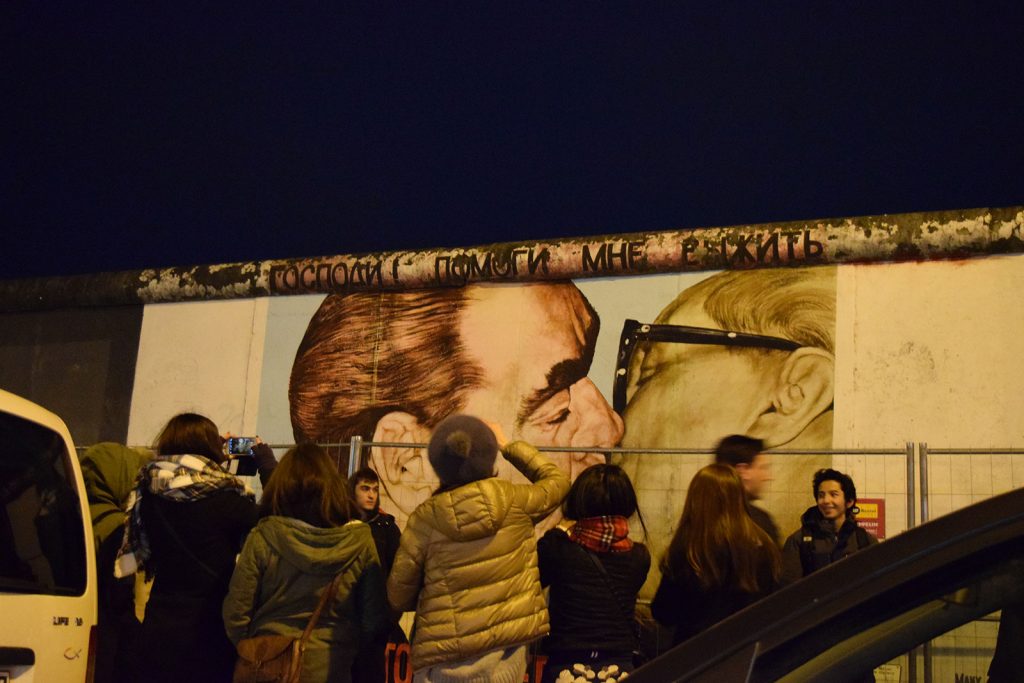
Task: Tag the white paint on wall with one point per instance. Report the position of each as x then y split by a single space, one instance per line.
203 357
287 319
931 352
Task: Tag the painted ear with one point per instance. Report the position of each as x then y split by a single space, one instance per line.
804 389
394 463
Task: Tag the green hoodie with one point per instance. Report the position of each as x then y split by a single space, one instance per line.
284 566
109 470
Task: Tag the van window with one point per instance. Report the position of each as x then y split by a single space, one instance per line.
42 542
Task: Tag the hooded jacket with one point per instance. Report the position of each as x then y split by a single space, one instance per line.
109 471
467 563
284 567
816 544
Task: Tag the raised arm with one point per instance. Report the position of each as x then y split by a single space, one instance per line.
549 486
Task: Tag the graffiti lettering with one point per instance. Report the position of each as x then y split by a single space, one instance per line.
791 240
628 254
770 242
326 277
741 256
813 250
538 260
744 251
465 267
965 678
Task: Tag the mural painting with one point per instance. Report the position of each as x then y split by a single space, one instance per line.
390 366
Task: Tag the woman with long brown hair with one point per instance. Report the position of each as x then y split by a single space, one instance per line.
719 560
186 520
309 534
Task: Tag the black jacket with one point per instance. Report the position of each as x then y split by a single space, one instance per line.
183 635
816 544
590 609
386 537
764 520
683 603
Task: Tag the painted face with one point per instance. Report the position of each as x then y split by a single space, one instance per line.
756 476
367 494
690 395
534 345
832 504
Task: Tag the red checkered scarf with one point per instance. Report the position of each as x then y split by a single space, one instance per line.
605 534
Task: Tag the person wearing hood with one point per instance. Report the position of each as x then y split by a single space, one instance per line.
467 561
829 530
309 534
109 471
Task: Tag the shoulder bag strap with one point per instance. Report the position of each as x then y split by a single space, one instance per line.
623 606
325 598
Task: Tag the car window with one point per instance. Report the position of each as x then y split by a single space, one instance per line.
42 543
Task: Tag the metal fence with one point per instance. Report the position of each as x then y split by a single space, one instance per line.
914 477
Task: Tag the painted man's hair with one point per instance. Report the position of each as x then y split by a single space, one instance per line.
798 304
367 354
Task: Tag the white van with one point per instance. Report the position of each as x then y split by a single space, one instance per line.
47 560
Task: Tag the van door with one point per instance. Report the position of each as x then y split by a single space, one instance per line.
47 573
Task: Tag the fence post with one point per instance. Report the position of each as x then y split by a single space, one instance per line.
922 454
911 488
355 451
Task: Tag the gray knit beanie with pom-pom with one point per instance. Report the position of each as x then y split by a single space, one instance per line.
462 449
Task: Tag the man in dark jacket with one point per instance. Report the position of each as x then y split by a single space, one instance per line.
365 485
370 665
744 454
829 531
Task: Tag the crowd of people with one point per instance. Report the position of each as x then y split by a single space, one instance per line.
317 564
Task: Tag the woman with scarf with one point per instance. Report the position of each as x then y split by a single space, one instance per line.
186 522
719 560
595 572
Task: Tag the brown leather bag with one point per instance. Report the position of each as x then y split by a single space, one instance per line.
277 659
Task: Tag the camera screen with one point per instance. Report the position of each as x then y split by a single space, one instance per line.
240 445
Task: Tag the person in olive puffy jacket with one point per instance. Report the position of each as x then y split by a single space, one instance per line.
308 535
467 562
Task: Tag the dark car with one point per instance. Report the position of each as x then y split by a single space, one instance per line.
843 621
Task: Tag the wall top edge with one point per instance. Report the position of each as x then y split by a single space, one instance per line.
921 236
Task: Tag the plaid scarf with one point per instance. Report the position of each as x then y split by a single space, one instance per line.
606 534
180 478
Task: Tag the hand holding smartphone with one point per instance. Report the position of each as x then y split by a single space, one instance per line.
240 445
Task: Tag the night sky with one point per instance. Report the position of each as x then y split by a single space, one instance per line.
144 135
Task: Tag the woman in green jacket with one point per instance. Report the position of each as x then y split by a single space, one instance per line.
308 535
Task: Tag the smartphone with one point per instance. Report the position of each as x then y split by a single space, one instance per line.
240 445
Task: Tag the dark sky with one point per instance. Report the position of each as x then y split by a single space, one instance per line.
144 134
